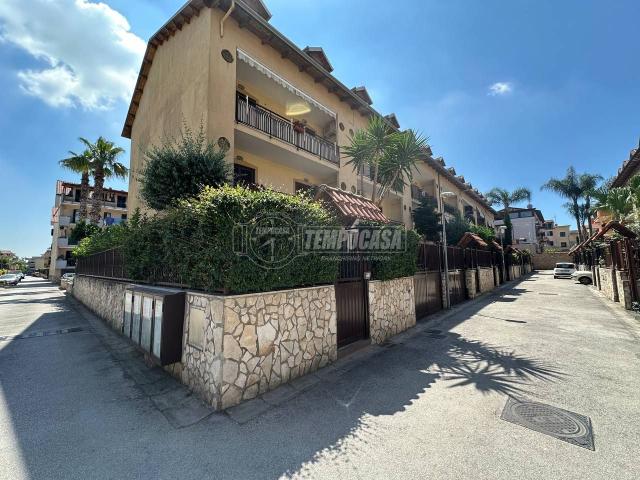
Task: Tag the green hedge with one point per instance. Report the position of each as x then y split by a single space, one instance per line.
396 265
193 244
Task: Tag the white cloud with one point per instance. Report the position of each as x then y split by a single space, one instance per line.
90 56
500 88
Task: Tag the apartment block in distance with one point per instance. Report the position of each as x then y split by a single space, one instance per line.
559 237
277 107
527 230
65 216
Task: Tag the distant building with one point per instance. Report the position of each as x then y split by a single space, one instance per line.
65 216
527 227
559 237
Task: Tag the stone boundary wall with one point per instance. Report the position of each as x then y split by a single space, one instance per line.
102 296
608 283
624 289
392 308
486 279
238 347
470 283
548 260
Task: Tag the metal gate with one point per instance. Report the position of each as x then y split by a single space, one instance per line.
352 301
457 285
427 281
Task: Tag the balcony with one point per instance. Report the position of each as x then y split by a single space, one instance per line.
285 130
61 263
63 242
418 194
64 221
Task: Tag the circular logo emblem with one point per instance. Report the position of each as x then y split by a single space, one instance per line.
272 241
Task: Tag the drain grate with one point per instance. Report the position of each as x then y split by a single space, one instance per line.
546 293
562 424
42 333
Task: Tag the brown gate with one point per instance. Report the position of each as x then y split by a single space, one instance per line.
457 290
352 301
427 281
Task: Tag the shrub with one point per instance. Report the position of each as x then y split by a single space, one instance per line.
195 242
427 219
396 265
101 240
82 230
485 233
179 169
456 228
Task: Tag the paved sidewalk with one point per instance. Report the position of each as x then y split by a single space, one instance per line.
426 404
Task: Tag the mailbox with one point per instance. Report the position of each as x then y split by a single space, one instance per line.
154 320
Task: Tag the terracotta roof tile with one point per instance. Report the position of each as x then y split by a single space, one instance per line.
351 206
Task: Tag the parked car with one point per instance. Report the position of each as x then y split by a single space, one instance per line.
564 270
9 279
585 277
68 276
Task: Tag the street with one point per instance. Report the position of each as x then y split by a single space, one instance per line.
427 404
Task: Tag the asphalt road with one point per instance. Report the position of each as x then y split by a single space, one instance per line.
427 405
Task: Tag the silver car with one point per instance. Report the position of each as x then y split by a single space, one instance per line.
585 277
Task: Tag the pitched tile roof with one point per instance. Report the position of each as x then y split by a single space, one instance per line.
472 240
350 206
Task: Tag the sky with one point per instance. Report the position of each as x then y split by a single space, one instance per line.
510 93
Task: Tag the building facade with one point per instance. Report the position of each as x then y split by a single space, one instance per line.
559 237
277 108
65 216
527 232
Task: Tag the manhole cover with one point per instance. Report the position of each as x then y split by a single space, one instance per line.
556 422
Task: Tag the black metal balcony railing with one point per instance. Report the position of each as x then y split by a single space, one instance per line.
419 194
281 128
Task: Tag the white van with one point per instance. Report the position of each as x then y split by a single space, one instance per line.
564 270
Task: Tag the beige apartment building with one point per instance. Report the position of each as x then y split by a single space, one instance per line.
65 216
278 108
559 237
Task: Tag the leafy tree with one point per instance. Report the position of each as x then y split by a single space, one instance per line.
456 228
389 155
488 234
427 219
179 169
82 230
104 164
80 163
500 196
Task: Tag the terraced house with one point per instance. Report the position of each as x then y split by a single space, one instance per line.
277 107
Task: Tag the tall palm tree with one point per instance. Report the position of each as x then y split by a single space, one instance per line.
588 183
500 196
104 163
569 188
616 202
80 163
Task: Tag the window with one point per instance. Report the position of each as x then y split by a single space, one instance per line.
243 175
300 187
551 243
550 233
122 201
526 214
563 244
563 234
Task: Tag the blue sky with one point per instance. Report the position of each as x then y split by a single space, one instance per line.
509 92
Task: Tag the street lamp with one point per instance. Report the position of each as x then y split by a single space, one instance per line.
444 195
502 229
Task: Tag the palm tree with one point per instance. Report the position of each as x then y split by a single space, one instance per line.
80 163
617 202
389 155
569 188
500 196
588 183
104 163
397 166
